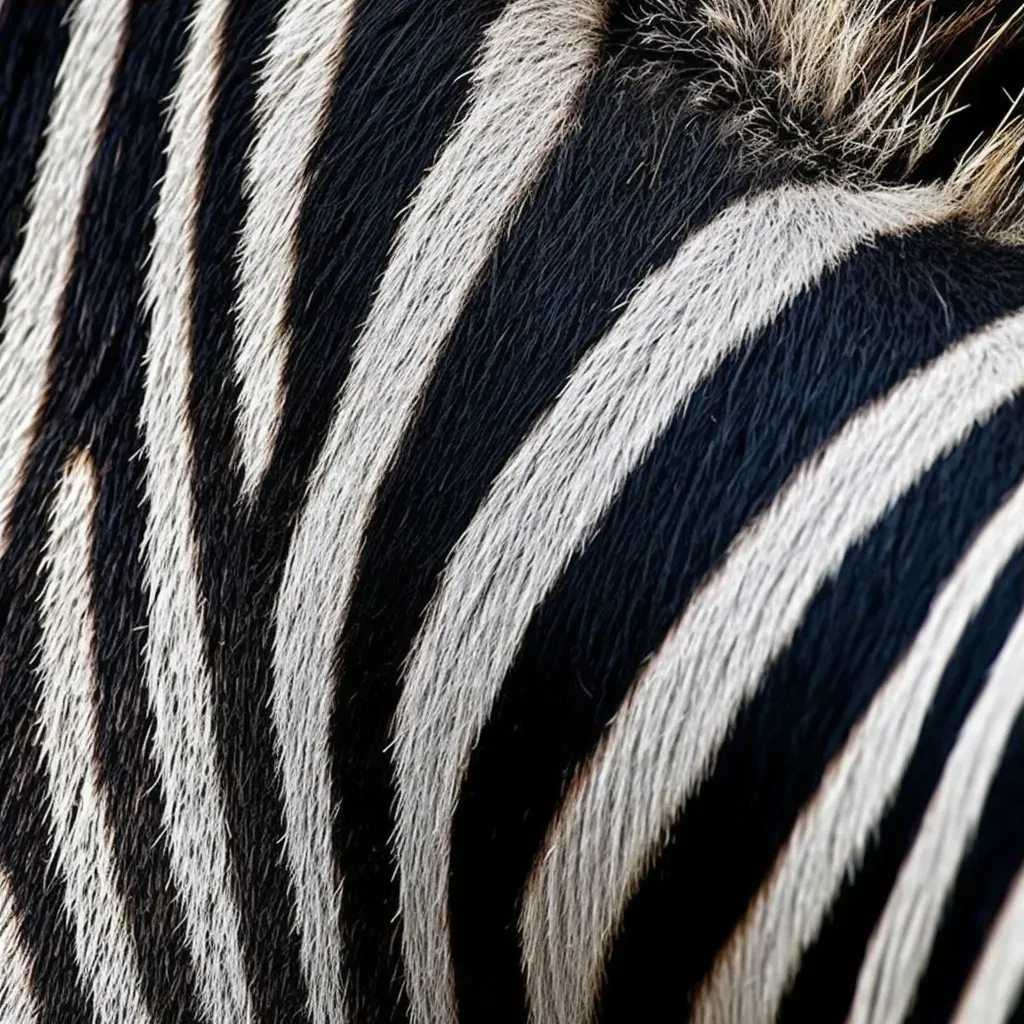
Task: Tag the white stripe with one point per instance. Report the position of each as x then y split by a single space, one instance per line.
41 272
902 941
78 806
998 978
664 739
292 107
728 280
760 961
17 1003
535 60
177 675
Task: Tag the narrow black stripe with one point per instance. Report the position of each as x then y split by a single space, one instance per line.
825 986
24 823
33 38
109 322
747 427
399 92
401 86
94 400
998 849
1017 1016
605 214
250 788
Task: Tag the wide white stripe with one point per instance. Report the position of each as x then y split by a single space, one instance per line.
664 739
998 978
177 675
17 1002
754 970
535 59
292 107
41 272
78 806
903 938
727 281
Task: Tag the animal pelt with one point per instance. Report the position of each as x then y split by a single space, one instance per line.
862 91
419 416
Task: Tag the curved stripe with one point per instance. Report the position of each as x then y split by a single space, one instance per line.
78 805
43 267
17 1003
536 58
177 674
997 980
292 104
665 737
754 970
546 502
903 938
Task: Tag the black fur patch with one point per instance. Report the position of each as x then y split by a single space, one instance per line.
33 37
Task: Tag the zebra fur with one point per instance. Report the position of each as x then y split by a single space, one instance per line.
510 511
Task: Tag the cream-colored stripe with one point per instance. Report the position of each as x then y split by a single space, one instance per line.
727 281
760 961
665 738
43 267
536 58
902 942
998 978
177 674
292 106
78 806
17 1001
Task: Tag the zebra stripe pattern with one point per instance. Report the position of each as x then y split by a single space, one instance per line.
488 532
80 824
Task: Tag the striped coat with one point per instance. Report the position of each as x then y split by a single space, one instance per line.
510 510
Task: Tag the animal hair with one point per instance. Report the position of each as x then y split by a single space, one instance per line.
510 510
860 90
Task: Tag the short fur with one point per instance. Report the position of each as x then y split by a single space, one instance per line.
477 479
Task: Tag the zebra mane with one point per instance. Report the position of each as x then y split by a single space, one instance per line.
866 91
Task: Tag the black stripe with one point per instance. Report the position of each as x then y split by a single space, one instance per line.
94 401
33 38
109 322
25 831
747 427
997 852
401 86
824 988
398 94
1017 1014
241 693
604 215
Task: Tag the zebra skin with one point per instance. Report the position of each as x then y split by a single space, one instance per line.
511 510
